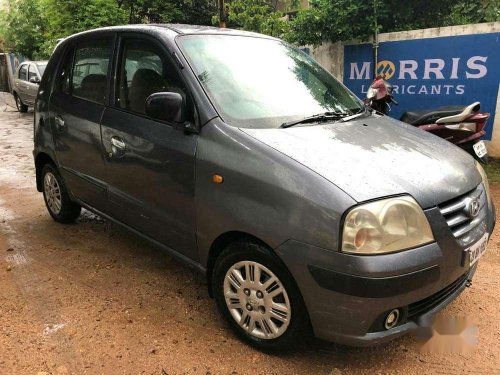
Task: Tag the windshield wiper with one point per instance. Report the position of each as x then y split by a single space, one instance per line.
356 114
326 116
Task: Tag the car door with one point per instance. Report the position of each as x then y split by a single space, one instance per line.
76 107
149 163
21 82
32 84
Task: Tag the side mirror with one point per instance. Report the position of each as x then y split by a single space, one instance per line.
35 80
166 106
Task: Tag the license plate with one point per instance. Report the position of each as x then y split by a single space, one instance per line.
480 149
477 250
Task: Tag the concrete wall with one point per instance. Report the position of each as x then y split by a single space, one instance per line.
331 57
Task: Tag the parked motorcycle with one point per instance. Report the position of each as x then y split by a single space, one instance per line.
461 125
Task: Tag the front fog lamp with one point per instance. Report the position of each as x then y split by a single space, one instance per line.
385 226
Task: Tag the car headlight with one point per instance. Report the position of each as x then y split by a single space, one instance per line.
484 177
385 226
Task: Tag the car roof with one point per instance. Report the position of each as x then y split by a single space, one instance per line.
198 29
176 28
41 62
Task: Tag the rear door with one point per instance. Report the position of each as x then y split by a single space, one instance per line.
76 108
149 163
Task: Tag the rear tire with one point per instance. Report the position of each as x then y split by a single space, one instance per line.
56 196
23 108
266 310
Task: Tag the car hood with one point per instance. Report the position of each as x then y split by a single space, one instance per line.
377 156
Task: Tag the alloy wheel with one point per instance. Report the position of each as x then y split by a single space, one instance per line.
257 300
52 193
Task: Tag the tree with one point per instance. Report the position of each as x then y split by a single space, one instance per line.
261 16
66 17
198 12
332 20
23 27
336 20
32 27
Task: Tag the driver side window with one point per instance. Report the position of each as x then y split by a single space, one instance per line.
144 70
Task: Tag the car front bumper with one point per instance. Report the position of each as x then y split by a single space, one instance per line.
348 296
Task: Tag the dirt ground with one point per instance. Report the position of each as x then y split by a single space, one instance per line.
92 298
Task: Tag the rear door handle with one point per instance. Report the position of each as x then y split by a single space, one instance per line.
59 122
117 147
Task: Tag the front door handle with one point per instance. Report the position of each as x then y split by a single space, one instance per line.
59 123
117 147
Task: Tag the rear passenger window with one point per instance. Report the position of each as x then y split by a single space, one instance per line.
23 72
90 69
144 70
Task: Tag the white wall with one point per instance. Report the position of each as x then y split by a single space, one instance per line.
331 57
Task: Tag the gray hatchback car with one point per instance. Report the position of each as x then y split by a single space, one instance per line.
25 83
242 157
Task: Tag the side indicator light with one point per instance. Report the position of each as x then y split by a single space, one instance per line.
217 178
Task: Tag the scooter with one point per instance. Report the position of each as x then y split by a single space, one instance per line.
461 125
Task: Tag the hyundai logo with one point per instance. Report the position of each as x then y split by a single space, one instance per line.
473 208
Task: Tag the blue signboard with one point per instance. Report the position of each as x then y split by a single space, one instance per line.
433 72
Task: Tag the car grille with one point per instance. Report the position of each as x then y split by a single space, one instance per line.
421 307
465 227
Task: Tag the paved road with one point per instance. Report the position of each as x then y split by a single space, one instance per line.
93 298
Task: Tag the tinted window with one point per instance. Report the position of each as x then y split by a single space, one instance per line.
143 71
64 74
32 72
90 71
23 72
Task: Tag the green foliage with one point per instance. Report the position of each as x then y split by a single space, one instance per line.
493 170
332 20
23 27
255 15
336 20
465 12
66 17
32 27
197 12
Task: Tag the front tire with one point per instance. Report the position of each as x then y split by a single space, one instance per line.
23 108
259 298
56 196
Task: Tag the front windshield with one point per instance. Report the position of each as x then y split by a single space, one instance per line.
261 83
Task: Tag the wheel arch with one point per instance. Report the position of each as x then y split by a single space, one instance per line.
41 160
220 243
